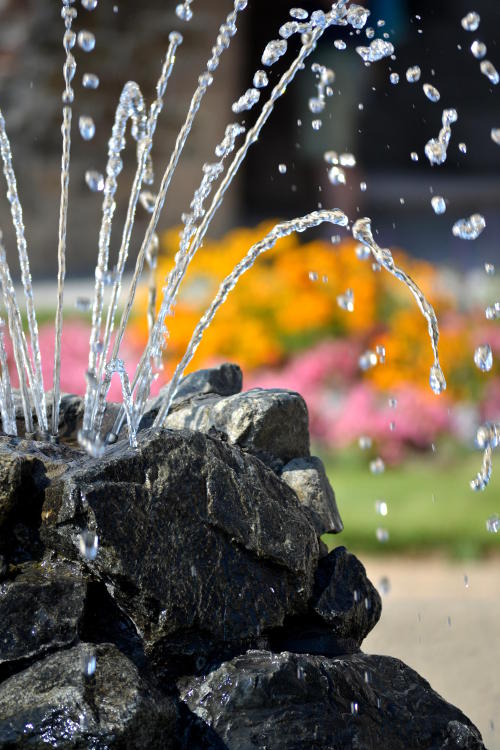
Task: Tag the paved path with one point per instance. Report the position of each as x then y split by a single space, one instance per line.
448 631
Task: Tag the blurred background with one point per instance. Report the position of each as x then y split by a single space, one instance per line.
429 543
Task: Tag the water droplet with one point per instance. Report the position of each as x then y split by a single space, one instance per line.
89 4
88 543
362 187
483 357
313 276
495 135
437 380
87 127
86 40
377 50
469 229
83 304
471 21
248 100
331 157
462 147
339 44
274 50
449 621
380 351
414 156
299 14
183 11
431 92
478 49
260 79
493 524
336 176
394 78
346 301
381 507
413 74
347 160
354 708
438 203
357 16
384 586
466 581
382 535
489 268
282 168
367 360
377 466
489 70
316 124
393 402
365 442
95 180
89 663
90 81
492 312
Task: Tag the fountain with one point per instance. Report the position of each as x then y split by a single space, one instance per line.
164 601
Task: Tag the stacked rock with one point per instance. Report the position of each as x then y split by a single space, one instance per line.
206 612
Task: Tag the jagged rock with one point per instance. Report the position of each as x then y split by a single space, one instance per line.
260 421
298 702
194 537
343 609
40 610
307 478
225 380
52 704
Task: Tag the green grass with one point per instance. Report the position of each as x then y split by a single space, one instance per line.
430 505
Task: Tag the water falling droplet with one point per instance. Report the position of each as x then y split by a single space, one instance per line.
147 200
469 229
384 586
362 187
273 51
466 581
382 535
94 180
380 351
495 135
89 663
248 100
437 380
346 301
365 442
362 252
87 127
331 157
89 4
347 160
357 16
489 70
471 21
83 304
377 50
183 11
316 124
394 78
438 203
478 49
377 466
313 276
339 44
367 360
462 147
413 74
88 543
414 156
483 358
260 79
431 92
282 168
336 176
381 507
393 402
489 268
492 312
90 81
299 14
493 524
86 40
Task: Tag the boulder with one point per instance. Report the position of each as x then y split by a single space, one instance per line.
299 701
307 478
197 540
40 610
225 380
54 704
259 421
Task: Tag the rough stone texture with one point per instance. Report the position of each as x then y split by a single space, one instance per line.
52 704
298 702
307 478
193 536
40 610
225 380
271 421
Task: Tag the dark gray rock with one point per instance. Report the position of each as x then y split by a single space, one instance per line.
307 478
195 537
298 702
259 421
40 610
52 704
225 380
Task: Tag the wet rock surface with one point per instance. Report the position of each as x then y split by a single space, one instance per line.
216 617
298 701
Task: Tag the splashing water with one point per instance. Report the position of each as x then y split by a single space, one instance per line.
436 149
469 229
487 439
